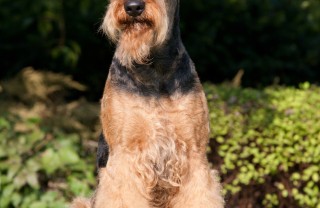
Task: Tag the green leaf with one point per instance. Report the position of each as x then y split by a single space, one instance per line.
38 205
32 180
50 161
68 156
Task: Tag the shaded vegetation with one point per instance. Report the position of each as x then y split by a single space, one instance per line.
265 143
273 41
47 144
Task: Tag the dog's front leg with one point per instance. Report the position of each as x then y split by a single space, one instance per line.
102 152
201 189
119 186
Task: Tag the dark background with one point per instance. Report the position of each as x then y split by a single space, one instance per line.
274 41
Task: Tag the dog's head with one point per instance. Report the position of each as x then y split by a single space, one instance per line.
137 26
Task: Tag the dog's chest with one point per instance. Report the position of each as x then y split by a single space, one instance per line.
136 121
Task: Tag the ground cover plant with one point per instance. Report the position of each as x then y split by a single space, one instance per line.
45 152
268 144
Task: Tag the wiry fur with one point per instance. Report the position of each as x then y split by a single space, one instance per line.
136 36
154 117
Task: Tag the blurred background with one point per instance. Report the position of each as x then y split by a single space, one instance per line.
259 61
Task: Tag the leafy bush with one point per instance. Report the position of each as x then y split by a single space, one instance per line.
36 165
268 144
270 40
45 152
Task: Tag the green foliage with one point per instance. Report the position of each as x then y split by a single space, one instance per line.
43 159
34 160
269 144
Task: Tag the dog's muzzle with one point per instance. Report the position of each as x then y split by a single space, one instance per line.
134 8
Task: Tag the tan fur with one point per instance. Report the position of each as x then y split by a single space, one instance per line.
143 33
81 203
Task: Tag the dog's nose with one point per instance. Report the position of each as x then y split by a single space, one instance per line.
134 7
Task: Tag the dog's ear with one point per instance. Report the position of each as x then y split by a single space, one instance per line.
102 152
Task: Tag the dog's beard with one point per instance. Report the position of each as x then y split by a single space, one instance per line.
136 37
134 45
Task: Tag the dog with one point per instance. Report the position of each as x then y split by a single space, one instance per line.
154 116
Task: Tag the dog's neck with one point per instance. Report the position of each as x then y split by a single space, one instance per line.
170 70
172 47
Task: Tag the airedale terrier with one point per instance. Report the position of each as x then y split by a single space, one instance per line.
154 115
